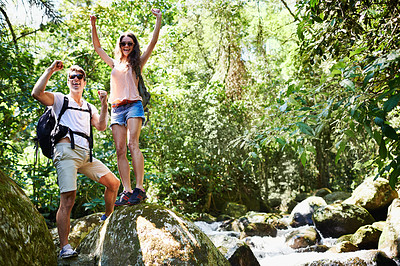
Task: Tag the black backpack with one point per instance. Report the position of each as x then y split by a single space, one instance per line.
142 89
49 132
144 93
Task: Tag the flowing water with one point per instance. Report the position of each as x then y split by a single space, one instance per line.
273 251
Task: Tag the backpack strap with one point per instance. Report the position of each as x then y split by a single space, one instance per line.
63 109
89 138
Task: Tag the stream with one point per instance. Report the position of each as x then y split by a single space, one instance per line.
272 251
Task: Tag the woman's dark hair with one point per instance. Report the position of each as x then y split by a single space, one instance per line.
134 56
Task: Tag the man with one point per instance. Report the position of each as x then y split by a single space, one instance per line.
70 159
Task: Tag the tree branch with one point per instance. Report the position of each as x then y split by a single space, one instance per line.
14 37
290 11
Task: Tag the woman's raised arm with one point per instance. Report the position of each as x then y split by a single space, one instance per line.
152 44
96 44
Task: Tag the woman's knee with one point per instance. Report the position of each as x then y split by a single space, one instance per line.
133 145
121 150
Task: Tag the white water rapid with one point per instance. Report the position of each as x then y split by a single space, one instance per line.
272 251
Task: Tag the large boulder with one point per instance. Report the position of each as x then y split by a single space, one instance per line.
302 237
149 234
366 237
24 236
340 219
336 196
303 212
236 251
259 229
235 210
79 229
375 196
390 237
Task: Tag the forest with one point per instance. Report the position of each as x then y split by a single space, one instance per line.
252 101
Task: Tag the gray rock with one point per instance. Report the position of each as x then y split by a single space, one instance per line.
235 250
259 229
302 238
79 229
340 219
148 234
24 236
390 237
366 237
375 196
336 196
322 192
235 210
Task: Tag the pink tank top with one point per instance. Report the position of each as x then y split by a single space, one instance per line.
123 84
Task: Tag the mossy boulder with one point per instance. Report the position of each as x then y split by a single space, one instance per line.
375 196
259 229
235 210
149 234
322 192
366 237
302 237
340 219
236 251
336 196
79 229
24 236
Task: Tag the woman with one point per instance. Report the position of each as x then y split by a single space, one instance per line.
127 113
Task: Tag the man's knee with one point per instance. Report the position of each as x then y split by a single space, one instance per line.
110 181
67 200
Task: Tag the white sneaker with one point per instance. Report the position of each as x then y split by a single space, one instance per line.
67 252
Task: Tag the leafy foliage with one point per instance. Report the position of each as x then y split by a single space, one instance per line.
249 101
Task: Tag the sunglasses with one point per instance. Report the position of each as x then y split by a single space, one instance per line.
122 44
79 76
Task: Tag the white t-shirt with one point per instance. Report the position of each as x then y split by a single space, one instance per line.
74 119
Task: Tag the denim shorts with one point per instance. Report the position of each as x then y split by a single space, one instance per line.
121 114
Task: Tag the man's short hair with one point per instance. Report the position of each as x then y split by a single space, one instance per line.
78 69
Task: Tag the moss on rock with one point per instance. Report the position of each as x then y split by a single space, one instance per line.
24 236
149 234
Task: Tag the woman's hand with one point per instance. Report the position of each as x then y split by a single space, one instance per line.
93 20
156 12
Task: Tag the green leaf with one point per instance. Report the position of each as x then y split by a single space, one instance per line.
379 121
393 178
357 51
367 78
303 158
306 129
340 150
389 132
391 103
382 149
347 84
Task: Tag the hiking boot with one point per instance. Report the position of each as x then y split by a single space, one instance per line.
103 217
123 199
137 197
67 252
